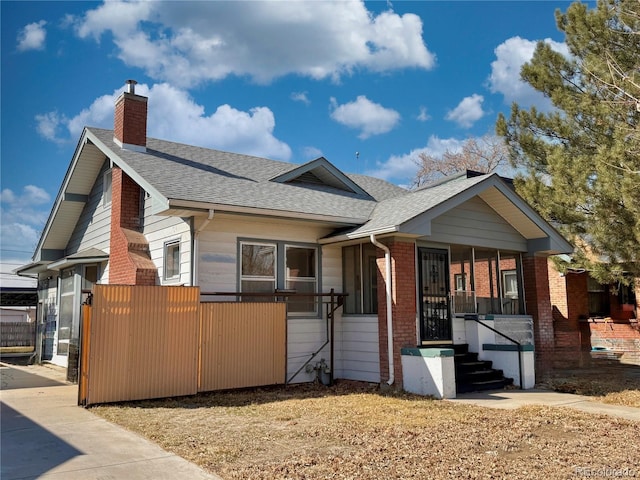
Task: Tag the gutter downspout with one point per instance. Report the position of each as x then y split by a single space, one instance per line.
196 249
387 261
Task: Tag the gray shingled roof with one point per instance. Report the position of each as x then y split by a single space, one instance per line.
398 210
184 172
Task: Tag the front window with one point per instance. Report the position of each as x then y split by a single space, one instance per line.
360 270
267 267
598 298
301 277
172 260
258 268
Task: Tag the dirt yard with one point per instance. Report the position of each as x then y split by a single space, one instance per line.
354 431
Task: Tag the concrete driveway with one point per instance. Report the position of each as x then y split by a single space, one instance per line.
44 434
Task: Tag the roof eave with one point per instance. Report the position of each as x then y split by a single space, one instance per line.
265 212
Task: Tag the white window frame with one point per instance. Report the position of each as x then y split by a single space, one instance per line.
505 274
167 250
107 184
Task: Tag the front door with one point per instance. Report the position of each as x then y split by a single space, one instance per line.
435 309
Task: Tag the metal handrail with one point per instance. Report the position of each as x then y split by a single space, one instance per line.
477 320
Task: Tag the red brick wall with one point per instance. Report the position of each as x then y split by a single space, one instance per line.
568 293
538 305
403 293
129 261
621 337
130 119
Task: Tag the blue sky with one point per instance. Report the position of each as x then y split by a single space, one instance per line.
284 80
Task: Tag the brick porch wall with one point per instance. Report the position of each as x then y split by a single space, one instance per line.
538 304
403 293
620 336
569 302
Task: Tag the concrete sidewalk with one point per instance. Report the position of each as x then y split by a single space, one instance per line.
44 434
511 399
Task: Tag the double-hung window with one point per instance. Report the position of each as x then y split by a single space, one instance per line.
267 267
258 267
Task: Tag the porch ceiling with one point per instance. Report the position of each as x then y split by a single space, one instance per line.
72 196
512 214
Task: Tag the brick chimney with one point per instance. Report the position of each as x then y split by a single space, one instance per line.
130 120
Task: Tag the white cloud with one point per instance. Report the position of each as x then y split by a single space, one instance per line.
423 116
301 97
511 55
32 37
187 43
402 169
22 217
468 111
49 124
311 153
363 114
175 116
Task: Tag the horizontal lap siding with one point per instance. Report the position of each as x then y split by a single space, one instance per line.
475 223
218 272
358 356
160 229
93 227
304 337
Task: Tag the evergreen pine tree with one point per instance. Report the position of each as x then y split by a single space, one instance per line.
581 160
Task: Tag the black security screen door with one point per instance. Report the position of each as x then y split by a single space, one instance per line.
435 311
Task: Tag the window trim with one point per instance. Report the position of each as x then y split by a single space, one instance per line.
107 192
281 266
364 284
505 274
165 250
258 278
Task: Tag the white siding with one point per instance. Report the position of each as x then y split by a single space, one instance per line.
94 225
357 348
159 230
475 223
218 247
218 271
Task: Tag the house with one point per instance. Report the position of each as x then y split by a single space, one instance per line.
592 320
142 211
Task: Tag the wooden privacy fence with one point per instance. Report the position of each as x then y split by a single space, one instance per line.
17 334
151 342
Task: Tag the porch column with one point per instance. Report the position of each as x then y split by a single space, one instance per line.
403 293
538 304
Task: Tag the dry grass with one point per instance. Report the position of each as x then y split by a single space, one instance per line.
613 383
354 431
17 349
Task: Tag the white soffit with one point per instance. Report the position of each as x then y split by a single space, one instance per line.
512 214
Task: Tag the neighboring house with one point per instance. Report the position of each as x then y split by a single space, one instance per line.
592 319
17 314
141 211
